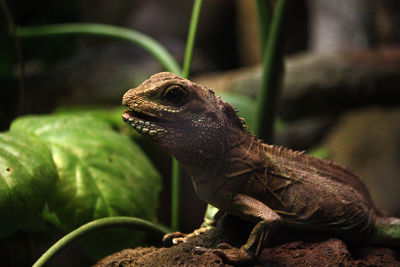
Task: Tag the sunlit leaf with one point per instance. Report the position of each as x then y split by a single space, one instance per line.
102 173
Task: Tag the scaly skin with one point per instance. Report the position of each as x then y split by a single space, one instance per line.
238 174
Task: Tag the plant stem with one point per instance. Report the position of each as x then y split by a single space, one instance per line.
272 74
175 187
127 222
146 43
264 10
175 194
194 21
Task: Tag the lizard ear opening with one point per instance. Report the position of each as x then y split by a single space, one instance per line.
231 114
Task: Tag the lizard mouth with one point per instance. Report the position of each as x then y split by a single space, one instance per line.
142 123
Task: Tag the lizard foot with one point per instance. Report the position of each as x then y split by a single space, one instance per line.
175 238
228 253
178 237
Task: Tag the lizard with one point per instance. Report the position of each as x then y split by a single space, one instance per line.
237 173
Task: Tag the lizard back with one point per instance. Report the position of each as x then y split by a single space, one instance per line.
314 193
328 169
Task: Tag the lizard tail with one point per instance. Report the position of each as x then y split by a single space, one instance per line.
387 232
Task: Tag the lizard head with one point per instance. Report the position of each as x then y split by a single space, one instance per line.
184 118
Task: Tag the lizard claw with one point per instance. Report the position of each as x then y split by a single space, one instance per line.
178 237
178 240
201 230
228 253
173 237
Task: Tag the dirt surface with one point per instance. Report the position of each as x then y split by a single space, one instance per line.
331 252
292 248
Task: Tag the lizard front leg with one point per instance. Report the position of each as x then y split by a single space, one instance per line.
210 217
253 210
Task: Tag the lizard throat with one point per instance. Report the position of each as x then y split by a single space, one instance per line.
142 123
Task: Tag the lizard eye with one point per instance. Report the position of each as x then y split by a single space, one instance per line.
174 94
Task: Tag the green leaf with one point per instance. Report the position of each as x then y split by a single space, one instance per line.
102 173
27 178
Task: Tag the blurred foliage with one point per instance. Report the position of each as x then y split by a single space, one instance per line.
319 152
